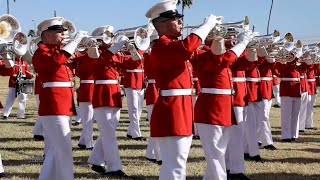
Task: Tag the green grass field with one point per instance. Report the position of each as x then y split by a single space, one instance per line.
21 155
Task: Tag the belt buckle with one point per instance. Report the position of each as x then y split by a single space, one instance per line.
193 91
233 92
72 84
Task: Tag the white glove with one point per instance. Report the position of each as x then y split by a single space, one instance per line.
262 52
218 47
251 55
73 44
117 46
242 41
134 53
271 60
245 37
203 30
93 52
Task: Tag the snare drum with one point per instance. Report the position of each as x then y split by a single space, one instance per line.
27 86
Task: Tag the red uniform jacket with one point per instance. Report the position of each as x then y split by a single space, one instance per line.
84 70
289 88
311 79
240 88
133 79
107 67
195 79
3 70
213 71
173 115
152 93
25 71
303 68
253 87
317 69
266 84
49 62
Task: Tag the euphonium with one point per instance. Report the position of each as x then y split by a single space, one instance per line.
140 36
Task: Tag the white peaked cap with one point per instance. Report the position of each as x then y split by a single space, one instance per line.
100 30
55 23
163 6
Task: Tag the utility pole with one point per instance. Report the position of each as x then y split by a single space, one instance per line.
269 16
8 7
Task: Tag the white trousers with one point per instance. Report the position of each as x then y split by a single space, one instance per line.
253 114
214 140
234 155
310 107
58 163
276 94
290 107
303 111
135 99
153 148
264 128
195 129
1 166
174 153
106 150
22 101
37 128
86 116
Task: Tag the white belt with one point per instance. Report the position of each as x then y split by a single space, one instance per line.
302 77
239 79
290 79
274 76
135 70
176 92
253 79
216 91
311 80
23 75
195 79
266 78
109 81
87 81
151 81
316 76
57 84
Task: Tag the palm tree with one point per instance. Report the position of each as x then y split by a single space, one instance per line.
185 3
31 33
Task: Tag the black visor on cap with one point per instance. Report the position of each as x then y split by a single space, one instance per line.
171 14
57 27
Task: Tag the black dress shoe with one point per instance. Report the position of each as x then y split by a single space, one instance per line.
259 143
151 160
159 162
312 128
118 174
137 138
38 137
195 137
301 131
239 176
76 123
1 175
81 146
270 147
246 156
286 140
99 169
276 106
4 117
294 139
257 158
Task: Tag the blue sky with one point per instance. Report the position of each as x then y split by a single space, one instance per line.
300 17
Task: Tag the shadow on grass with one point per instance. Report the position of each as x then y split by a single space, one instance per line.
283 176
18 139
298 160
21 123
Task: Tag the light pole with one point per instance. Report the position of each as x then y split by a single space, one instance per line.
269 16
8 12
